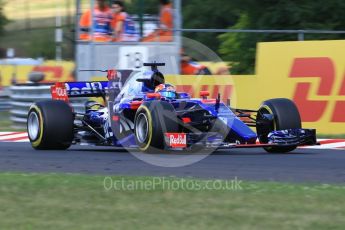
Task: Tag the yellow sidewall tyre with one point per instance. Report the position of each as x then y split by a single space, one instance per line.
50 125
285 116
152 120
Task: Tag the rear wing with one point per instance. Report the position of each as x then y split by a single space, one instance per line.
65 90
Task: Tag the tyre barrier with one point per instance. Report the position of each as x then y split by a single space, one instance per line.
22 96
4 100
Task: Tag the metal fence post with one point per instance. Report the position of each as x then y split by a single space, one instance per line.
178 30
301 35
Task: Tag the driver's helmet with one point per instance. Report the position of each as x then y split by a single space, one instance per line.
166 90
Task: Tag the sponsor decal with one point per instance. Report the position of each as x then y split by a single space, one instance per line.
55 73
324 69
59 92
177 140
224 90
85 88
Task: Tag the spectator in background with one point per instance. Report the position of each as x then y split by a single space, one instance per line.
164 33
190 67
102 17
122 24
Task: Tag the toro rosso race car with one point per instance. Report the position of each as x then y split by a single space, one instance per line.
145 112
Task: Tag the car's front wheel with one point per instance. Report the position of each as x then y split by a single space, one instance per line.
152 121
283 114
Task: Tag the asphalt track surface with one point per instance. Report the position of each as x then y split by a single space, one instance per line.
303 165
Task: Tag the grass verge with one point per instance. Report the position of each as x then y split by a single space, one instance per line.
5 123
36 43
51 201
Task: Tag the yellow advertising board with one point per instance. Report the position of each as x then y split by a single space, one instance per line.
54 71
312 73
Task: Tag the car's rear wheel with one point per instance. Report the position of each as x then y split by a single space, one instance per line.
152 121
50 125
277 114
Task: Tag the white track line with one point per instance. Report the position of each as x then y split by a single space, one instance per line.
23 140
326 146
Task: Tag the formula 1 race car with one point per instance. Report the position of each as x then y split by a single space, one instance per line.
146 113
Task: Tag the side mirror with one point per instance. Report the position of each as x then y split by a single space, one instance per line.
204 94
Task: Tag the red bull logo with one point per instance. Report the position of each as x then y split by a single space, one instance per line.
177 140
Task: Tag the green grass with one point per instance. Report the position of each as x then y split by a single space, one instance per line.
56 201
12 8
36 37
36 43
6 124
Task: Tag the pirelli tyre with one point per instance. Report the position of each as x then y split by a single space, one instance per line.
152 120
50 125
284 114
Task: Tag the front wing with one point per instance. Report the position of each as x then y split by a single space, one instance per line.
281 138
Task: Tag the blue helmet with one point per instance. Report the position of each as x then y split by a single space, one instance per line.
166 90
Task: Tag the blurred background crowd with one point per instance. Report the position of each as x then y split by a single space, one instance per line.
29 26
